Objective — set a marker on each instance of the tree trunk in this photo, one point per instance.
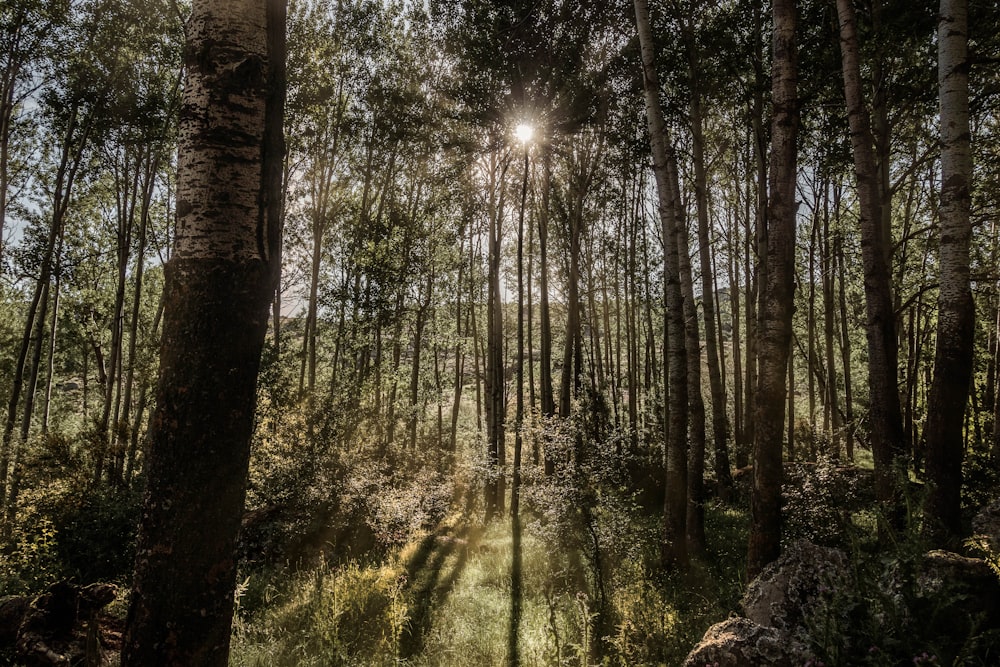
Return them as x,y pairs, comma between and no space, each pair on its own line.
755,241
885,414
720,418
696,402
219,285
949,391
50,361
775,318
546,393
37,345
515,486
674,544
413,415
496,404
140,262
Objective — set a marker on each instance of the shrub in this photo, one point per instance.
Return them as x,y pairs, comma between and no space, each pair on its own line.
29,562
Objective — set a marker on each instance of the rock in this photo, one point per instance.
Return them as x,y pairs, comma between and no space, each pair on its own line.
739,642
986,523
969,585
795,586
61,626
12,611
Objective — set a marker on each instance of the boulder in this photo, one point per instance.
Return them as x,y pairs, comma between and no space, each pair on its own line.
986,524
793,593
12,611
967,585
739,642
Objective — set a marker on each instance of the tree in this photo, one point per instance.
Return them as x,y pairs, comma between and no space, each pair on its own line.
219,285
949,390
776,301
674,547
880,330
27,28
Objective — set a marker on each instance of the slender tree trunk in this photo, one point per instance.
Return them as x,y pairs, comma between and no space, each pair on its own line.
37,345
885,414
140,262
674,543
515,487
219,285
574,344
496,400
720,419
828,270
775,324
476,346
734,311
459,355
546,393
949,391
811,356
397,354
755,241
696,402
418,342
790,418
53,337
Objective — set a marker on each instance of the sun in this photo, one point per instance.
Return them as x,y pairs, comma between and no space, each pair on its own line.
524,132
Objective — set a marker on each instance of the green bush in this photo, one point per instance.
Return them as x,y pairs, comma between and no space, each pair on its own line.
96,541
29,561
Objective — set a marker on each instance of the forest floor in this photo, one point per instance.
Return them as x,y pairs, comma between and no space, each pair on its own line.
452,595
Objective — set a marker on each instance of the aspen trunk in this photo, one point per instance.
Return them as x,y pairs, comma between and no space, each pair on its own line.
220,283
775,323
949,390
674,544
880,330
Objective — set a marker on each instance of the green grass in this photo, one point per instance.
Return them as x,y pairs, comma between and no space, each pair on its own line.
445,599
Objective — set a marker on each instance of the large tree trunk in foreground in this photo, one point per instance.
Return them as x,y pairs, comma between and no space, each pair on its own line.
219,285
777,283
956,310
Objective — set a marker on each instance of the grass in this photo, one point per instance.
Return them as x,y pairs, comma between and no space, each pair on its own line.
445,599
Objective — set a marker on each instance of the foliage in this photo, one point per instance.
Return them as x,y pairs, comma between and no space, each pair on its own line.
342,615
97,536
29,561
896,611
818,501
981,481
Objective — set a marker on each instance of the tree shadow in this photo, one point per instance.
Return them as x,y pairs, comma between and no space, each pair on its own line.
513,634
429,587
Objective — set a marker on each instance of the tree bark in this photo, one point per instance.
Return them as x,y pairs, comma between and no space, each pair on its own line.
546,394
696,402
496,403
880,330
949,392
775,318
219,285
674,551
720,418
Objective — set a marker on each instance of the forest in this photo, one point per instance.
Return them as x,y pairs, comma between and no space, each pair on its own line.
510,332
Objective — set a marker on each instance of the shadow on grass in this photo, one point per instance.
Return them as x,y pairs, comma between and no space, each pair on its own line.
516,578
428,585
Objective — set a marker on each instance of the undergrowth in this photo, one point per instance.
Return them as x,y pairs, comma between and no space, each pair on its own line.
444,598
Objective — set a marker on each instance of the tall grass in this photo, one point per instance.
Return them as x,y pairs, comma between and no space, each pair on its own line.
445,599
